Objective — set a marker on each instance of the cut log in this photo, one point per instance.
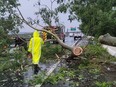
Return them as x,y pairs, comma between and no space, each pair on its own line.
107,39
77,51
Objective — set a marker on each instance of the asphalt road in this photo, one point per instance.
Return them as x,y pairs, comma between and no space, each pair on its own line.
71,42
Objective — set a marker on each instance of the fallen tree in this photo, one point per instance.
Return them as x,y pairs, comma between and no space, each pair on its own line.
76,50
107,39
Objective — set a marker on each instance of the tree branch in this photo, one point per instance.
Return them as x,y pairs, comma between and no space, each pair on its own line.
57,38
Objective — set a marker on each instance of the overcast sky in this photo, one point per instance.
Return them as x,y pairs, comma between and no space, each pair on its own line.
28,10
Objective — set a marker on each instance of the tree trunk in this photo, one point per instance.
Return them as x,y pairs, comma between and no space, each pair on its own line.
107,39
76,51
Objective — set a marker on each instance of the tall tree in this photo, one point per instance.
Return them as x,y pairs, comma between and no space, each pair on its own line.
10,63
8,21
47,13
97,16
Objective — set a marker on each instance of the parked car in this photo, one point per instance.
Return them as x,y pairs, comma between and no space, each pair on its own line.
78,36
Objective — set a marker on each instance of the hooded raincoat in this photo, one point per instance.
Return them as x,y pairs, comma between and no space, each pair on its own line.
35,47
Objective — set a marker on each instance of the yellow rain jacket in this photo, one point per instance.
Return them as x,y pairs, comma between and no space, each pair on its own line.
35,44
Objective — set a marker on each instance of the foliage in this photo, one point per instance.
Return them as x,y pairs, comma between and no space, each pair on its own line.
12,68
49,50
62,75
38,79
3,41
52,14
96,19
97,16
8,20
103,84
74,72
10,63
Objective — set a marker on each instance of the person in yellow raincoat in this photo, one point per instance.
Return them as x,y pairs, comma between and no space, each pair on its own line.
35,45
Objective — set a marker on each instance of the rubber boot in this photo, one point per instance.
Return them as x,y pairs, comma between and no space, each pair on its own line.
36,69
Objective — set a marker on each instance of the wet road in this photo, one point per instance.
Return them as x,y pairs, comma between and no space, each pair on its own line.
71,42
